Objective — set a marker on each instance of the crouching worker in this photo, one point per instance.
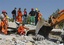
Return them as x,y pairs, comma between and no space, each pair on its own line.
21,29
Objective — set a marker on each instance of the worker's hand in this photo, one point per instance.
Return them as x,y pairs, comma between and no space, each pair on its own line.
27,28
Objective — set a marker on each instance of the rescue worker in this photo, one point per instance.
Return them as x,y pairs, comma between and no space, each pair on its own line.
39,16
4,26
19,16
36,16
14,14
21,29
32,15
25,16
4,22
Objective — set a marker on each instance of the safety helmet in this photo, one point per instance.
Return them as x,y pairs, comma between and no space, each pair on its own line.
36,9
3,11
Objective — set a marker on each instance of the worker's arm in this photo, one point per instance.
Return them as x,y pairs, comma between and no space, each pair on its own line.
26,28
39,16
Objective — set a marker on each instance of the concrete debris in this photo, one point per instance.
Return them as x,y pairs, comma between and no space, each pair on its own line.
55,37
61,44
45,42
23,40
39,37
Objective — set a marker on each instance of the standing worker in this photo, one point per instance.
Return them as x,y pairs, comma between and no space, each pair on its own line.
19,16
14,14
32,16
36,16
4,22
25,16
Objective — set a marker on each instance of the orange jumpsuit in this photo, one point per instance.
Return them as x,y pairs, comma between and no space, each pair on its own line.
4,26
39,16
0,25
21,30
19,17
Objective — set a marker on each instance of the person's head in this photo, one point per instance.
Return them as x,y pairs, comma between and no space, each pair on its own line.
15,8
39,11
32,9
25,9
19,8
36,9
4,12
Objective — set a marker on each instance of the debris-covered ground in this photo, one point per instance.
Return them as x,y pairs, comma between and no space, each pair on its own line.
14,39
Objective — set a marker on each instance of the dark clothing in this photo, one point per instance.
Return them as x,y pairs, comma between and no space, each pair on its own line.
14,17
49,20
36,17
32,13
32,16
25,13
14,14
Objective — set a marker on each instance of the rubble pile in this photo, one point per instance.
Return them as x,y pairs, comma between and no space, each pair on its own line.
22,40
45,42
